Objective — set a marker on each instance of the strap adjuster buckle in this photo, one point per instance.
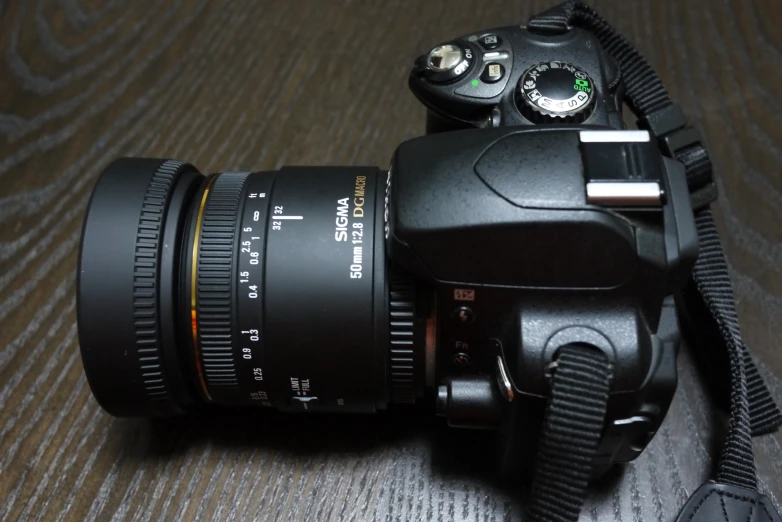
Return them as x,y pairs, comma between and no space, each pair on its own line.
685,144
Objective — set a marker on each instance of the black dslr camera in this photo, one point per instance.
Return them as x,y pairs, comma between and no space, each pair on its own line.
528,220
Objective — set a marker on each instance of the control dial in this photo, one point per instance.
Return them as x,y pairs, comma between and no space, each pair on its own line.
447,62
555,92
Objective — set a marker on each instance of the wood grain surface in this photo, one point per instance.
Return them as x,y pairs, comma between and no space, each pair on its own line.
258,84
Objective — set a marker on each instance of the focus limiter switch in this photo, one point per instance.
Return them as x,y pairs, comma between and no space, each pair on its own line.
305,403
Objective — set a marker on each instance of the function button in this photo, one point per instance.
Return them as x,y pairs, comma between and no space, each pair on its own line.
462,359
490,41
492,72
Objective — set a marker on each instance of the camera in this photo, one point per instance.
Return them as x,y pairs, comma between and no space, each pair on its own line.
528,219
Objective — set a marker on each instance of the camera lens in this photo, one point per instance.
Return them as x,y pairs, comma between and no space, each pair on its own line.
244,288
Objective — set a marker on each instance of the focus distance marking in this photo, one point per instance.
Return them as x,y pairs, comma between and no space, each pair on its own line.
252,372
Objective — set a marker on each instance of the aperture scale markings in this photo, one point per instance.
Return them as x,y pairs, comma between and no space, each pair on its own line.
278,216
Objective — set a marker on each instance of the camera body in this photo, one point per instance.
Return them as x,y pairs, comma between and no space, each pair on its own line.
528,219
539,230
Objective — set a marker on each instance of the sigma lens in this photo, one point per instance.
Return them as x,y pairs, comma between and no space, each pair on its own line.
244,288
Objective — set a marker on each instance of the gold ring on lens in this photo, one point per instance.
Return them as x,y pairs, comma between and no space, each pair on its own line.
193,316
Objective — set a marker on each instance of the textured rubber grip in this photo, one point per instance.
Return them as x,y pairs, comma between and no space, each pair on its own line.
215,300
402,336
145,279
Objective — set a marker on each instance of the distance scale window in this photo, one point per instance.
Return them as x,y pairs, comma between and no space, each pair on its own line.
250,283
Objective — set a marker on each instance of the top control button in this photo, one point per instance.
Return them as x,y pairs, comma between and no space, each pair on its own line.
444,57
490,41
493,72
448,62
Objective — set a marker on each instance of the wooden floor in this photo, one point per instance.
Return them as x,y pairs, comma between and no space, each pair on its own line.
258,84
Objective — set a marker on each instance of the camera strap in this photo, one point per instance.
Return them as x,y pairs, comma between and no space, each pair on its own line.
573,425
575,411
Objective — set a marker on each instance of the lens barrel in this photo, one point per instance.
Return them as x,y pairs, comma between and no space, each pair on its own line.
244,288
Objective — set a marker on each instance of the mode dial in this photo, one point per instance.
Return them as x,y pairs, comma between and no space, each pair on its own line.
555,92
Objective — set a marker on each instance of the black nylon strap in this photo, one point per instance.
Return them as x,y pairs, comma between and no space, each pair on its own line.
752,409
644,89
644,93
712,280
571,434
764,414
649,100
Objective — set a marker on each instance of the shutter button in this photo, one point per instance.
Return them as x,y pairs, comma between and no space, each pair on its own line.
448,62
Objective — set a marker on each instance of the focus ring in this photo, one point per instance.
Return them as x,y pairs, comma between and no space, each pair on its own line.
402,330
145,278
214,292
